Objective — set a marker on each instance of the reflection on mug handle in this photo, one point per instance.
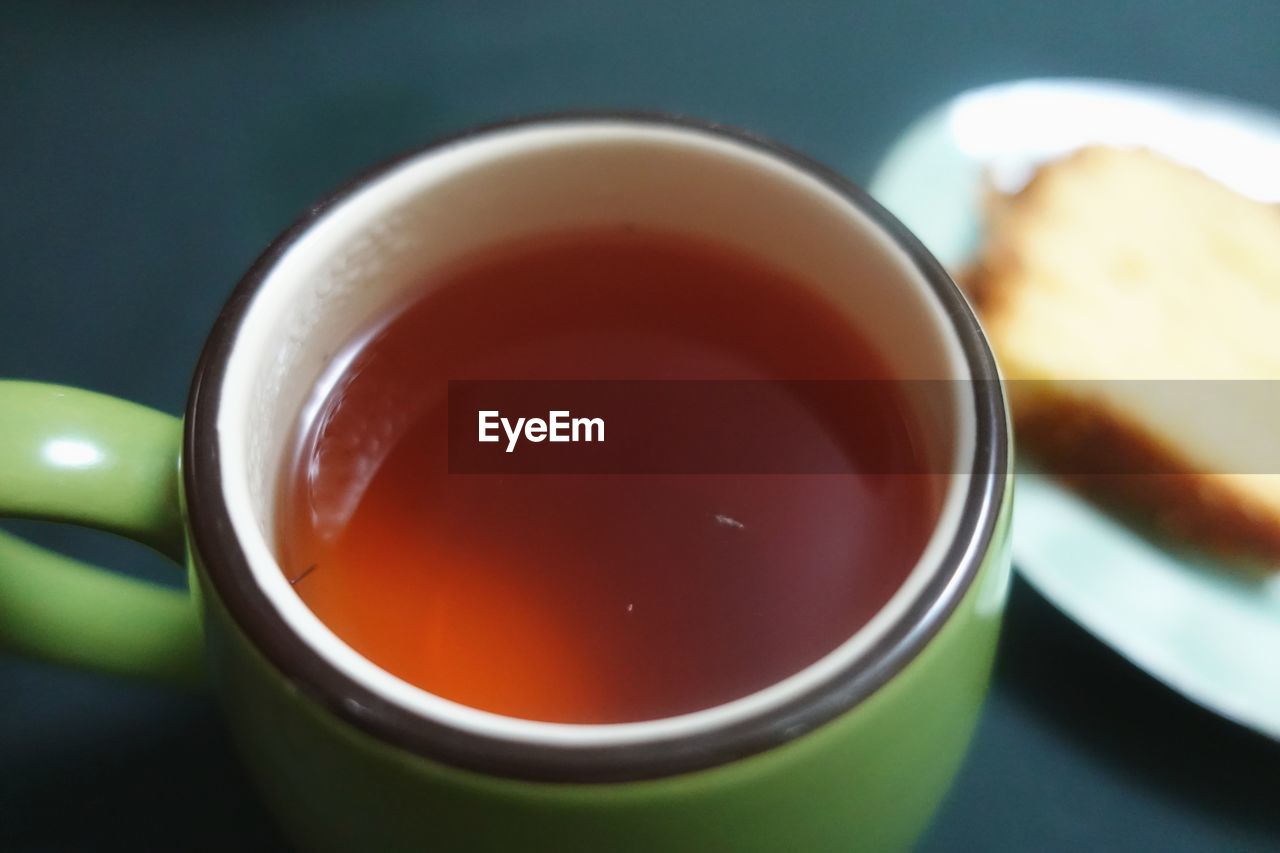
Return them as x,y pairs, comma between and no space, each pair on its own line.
75,456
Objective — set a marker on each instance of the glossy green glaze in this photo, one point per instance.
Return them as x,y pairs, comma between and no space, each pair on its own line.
868,780
76,456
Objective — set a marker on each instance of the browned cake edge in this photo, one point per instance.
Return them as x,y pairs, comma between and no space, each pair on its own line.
1128,470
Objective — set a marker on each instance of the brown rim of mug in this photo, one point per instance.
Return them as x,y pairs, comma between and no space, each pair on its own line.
219,553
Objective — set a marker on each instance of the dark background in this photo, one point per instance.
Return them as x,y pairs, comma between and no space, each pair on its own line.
149,150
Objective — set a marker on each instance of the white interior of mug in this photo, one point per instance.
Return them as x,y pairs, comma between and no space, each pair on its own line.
357,259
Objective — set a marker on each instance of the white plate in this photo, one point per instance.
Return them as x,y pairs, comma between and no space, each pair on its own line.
1209,633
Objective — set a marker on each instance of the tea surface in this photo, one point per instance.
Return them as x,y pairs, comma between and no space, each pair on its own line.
590,598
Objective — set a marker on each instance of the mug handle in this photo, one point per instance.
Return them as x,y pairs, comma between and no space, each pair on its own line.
75,456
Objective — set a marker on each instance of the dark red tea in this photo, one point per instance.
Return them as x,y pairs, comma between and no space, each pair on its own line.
588,598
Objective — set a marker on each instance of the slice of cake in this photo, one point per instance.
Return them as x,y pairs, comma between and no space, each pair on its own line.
1127,297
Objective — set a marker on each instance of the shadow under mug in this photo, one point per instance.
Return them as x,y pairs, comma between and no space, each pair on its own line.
853,752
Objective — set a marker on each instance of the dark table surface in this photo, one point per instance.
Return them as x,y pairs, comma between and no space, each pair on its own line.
150,150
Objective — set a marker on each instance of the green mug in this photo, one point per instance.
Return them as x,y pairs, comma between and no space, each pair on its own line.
852,753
